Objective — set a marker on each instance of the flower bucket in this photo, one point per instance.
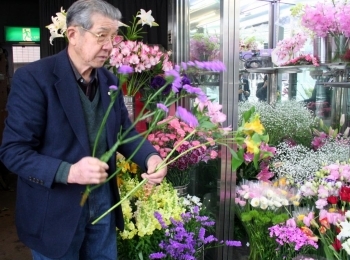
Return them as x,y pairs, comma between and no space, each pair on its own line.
330,48
181,190
130,104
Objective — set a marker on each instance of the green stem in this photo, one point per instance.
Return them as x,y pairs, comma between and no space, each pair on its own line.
121,201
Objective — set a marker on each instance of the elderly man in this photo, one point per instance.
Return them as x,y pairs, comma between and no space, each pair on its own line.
55,108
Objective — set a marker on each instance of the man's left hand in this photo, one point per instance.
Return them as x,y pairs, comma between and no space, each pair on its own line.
153,176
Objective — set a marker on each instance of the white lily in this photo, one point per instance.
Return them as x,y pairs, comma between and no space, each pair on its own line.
146,18
58,27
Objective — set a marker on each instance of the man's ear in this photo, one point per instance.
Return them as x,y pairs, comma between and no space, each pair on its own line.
72,34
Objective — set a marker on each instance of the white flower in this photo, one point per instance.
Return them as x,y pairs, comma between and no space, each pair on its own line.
344,231
58,27
255,202
346,246
146,18
347,214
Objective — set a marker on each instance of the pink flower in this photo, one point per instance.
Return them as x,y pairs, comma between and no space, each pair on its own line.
321,203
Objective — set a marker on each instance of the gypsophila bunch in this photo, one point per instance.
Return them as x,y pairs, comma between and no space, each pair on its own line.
298,163
291,241
184,237
283,120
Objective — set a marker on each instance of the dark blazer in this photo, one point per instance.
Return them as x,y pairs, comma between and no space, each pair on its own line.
46,126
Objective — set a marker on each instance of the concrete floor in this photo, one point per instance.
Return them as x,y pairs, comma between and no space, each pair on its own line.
10,246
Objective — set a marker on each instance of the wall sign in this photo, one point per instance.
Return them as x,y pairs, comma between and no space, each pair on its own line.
22,34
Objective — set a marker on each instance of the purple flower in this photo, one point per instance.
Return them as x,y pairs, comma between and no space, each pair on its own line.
125,69
187,117
176,85
157,82
233,243
159,255
113,88
162,107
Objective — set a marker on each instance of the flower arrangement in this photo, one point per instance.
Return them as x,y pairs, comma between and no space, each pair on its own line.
287,49
327,17
204,47
188,237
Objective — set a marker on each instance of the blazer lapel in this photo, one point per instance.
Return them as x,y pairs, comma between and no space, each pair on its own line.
68,94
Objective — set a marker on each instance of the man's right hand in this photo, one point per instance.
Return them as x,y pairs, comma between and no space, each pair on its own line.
88,170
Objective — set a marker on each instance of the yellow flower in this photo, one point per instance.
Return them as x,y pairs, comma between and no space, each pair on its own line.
133,168
253,126
252,147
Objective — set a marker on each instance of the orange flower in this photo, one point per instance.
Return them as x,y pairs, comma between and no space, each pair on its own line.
308,232
322,230
324,222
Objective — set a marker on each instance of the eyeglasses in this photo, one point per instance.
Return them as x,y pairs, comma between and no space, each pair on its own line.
102,38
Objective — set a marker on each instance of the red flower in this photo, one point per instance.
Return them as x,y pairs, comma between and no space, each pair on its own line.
337,245
332,199
344,193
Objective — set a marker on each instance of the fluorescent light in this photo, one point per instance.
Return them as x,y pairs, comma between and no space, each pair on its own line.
202,17
201,5
207,21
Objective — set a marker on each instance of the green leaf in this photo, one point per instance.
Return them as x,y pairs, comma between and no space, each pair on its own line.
237,159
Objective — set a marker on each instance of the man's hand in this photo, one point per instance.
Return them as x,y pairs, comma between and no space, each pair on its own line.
88,170
153,176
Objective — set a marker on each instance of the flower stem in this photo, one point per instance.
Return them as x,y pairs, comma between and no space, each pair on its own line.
121,201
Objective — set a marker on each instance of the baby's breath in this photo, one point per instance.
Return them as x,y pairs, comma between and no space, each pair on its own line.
284,120
299,163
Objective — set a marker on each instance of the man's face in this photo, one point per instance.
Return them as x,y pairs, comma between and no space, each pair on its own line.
89,49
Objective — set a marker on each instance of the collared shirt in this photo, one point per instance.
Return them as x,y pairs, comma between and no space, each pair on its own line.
89,88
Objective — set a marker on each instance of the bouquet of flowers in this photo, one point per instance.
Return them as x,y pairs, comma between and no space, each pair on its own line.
292,241
260,205
204,47
146,62
286,49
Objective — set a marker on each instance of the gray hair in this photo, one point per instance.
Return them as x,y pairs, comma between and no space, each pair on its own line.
81,11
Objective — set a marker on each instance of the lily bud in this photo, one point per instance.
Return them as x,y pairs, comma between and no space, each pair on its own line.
342,120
